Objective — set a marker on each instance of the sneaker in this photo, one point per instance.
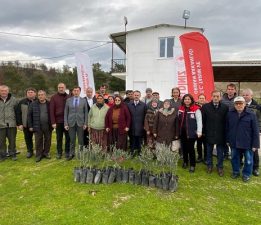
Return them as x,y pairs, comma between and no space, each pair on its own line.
29,155
256,172
245,178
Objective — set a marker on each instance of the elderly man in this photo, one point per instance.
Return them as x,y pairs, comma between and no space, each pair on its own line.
39,122
8,105
57,105
148,97
242,135
253,105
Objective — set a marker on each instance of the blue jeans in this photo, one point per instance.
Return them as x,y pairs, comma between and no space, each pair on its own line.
220,155
248,163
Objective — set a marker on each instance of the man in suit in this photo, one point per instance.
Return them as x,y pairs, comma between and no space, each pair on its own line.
91,100
75,119
138,111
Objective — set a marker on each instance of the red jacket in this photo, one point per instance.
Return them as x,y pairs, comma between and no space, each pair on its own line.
124,119
57,105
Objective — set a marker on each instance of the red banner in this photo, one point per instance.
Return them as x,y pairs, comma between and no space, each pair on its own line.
198,64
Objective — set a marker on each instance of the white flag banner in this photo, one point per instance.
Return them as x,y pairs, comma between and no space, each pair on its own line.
180,71
84,73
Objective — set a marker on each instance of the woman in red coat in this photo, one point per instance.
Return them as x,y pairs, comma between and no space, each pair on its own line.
117,123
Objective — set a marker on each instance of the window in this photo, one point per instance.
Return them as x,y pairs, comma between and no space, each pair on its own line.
166,47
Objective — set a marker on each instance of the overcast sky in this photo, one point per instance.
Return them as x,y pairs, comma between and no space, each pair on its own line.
231,26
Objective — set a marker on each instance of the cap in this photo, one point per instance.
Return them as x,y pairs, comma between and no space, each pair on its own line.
148,90
155,93
239,99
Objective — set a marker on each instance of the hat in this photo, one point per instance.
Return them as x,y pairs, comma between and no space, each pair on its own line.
239,99
148,90
155,93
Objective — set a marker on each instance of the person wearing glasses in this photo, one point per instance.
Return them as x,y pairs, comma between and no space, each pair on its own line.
117,123
242,135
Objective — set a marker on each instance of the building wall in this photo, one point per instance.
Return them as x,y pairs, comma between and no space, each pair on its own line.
144,66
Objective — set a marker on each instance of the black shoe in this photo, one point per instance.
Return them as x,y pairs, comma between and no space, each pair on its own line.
199,160
29,155
58,156
245,178
185,166
47,156
192,169
235,175
256,172
70,157
38,159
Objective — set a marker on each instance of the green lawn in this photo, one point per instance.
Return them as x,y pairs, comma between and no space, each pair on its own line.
45,193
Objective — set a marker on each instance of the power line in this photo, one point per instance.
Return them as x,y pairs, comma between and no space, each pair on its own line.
49,37
60,56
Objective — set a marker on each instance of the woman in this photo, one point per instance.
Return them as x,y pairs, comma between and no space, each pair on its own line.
201,141
96,122
175,101
117,123
110,101
153,107
190,123
165,128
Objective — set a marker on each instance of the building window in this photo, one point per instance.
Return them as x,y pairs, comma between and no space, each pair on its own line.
166,47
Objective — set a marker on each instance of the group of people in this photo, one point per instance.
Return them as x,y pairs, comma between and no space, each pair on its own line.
227,122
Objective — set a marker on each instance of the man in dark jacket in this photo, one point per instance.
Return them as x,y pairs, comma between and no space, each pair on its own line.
214,126
253,105
138,111
39,122
242,135
22,123
57,105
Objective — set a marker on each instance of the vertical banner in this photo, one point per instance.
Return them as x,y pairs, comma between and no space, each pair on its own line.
180,71
198,64
84,73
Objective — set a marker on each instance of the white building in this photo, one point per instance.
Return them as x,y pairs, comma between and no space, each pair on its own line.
149,57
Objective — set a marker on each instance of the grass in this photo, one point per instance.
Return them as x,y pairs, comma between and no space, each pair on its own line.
45,193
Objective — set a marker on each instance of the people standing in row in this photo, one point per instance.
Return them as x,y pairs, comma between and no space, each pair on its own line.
242,135
39,122
8,130
190,125
117,123
247,94
57,106
91,100
75,119
137,110
166,124
202,152
214,126
96,123
22,119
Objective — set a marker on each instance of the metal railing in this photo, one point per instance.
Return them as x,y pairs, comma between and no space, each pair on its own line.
118,65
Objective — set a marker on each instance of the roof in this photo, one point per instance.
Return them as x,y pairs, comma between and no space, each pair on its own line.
237,71
120,37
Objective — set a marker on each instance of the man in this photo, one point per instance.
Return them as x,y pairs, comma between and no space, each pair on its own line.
57,105
155,96
39,122
75,119
214,126
8,128
148,97
138,111
242,135
129,96
102,91
22,123
253,105
228,99
90,102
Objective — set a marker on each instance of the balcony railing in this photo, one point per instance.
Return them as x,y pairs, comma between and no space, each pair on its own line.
118,65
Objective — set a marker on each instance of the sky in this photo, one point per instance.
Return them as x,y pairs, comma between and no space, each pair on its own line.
231,26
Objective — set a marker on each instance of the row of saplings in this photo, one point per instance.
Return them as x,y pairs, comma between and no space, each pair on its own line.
157,169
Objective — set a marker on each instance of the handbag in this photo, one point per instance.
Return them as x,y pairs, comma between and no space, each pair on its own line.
175,146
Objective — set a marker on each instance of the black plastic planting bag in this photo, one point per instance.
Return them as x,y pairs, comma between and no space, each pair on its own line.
90,176
98,177
112,176
173,183
131,176
152,180
125,176
118,175
145,178
105,176
138,175
77,176
83,175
